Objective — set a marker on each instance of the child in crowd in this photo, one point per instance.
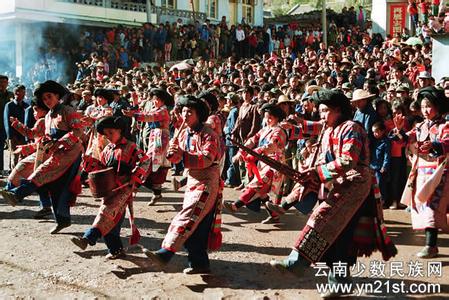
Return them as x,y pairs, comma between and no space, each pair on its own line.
381,157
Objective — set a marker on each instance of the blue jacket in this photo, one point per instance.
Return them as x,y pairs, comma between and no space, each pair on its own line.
381,154
29,119
230,123
13,109
367,117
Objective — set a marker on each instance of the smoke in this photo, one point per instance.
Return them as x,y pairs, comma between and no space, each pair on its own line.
34,51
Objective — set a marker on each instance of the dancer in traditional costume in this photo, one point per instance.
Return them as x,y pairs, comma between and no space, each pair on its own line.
97,142
54,166
198,147
427,188
130,165
213,121
158,120
34,135
343,162
269,141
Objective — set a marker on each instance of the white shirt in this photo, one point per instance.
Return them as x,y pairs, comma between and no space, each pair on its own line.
240,35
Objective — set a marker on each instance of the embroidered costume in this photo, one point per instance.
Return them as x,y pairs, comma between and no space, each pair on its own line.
130,165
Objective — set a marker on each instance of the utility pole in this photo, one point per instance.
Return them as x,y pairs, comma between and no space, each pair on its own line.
193,10
149,9
324,22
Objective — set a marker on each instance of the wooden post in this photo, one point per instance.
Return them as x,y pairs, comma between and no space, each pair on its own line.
193,10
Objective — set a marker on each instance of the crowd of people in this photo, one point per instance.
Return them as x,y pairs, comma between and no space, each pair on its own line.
335,131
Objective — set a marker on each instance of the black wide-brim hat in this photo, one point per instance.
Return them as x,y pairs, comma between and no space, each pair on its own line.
199,105
163,95
110,122
105,93
210,99
436,97
274,110
50,86
334,99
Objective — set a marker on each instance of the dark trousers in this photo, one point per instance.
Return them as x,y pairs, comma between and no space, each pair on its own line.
398,179
382,181
196,245
112,239
232,172
2,146
60,194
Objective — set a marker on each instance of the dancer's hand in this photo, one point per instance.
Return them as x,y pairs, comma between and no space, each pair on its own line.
173,149
13,120
236,159
425,146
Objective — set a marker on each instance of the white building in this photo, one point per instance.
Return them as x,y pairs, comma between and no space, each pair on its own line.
18,18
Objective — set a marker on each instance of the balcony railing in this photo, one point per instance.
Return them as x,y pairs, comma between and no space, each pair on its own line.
187,14
140,7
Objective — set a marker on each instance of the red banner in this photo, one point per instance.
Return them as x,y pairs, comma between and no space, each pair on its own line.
398,14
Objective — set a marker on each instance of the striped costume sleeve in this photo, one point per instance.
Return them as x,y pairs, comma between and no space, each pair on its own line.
441,144
306,127
142,165
74,122
155,116
350,140
23,130
208,151
296,133
312,127
37,131
277,142
28,149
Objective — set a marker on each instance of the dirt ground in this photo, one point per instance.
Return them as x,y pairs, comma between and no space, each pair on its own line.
35,264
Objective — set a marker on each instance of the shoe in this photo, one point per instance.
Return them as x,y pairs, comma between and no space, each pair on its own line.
283,266
229,205
192,271
42,213
228,185
154,257
271,220
59,227
5,173
80,242
176,173
154,199
118,255
240,187
10,197
398,206
175,184
428,252
276,208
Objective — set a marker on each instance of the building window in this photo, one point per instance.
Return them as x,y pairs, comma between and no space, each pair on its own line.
211,8
248,10
168,4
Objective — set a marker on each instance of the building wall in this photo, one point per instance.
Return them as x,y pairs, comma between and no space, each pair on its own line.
380,15
440,56
258,13
55,11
